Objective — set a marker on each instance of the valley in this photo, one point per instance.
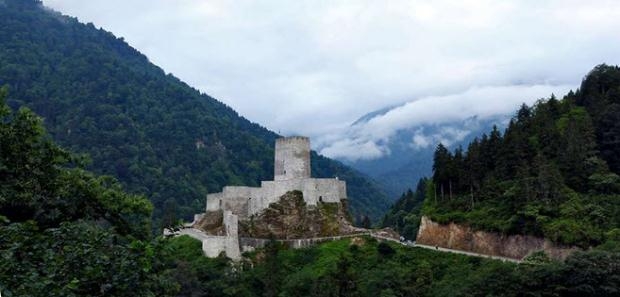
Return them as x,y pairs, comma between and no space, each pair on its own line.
117,178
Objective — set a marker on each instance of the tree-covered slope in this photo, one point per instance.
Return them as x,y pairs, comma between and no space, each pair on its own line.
552,173
63,230
156,134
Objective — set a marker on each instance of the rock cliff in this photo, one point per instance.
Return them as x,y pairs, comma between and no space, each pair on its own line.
292,218
464,238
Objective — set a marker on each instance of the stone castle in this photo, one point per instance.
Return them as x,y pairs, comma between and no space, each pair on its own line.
291,172
226,212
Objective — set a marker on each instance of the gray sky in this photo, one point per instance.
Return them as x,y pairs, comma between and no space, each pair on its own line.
314,67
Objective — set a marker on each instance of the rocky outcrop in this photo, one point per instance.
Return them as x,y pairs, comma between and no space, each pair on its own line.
211,222
292,218
459,237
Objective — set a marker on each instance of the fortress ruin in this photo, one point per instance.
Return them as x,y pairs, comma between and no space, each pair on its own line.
236,204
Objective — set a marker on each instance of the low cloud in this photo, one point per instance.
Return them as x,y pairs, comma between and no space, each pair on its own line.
481,103
446,135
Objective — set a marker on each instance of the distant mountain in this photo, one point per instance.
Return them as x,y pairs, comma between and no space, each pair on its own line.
156,134
411,150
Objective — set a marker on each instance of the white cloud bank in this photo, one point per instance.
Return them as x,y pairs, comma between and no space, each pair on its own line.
313,67
370,140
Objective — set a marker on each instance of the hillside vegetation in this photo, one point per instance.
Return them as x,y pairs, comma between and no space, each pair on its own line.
364,267
65,231
154,133
552,173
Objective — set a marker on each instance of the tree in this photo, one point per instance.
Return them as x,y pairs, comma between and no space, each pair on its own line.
579,146
441,168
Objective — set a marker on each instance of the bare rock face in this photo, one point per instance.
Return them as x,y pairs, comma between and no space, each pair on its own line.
464,238
211,223
292,218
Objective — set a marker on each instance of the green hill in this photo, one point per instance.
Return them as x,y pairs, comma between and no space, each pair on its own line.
157,135
552,173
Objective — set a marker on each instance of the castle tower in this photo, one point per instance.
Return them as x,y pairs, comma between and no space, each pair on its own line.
292,158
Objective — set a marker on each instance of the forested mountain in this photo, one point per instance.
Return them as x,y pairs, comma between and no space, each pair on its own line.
553,172
157,135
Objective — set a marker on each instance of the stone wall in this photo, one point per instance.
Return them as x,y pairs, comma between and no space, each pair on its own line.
213,246
247,201
292,158
231,223
464,238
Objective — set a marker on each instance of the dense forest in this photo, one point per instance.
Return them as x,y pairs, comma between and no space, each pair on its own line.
65,231
155,134
553,172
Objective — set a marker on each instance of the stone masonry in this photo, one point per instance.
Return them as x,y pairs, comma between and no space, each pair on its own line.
291,173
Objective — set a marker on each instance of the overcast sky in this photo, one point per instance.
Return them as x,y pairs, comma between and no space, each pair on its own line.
313,67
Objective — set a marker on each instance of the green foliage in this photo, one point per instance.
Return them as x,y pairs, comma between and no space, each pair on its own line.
405,214
371,268
66,232
155,134
549,174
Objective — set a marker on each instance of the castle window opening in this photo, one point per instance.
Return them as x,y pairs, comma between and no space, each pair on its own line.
320,198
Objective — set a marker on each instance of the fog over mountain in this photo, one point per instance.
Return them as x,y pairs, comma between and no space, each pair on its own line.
395,145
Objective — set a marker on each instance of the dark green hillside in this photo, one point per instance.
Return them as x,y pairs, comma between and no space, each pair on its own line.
554,172
65,231
157,135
